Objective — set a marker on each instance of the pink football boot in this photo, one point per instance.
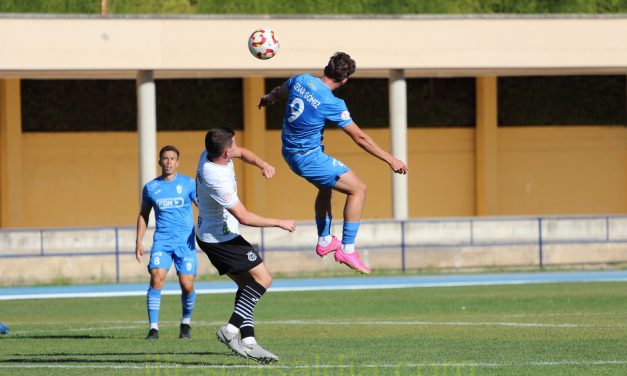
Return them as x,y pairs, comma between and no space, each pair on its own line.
352,260
333,246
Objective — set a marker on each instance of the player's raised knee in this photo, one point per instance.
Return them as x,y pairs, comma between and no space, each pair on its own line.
360,188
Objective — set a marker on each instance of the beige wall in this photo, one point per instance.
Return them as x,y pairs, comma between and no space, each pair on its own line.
562,170
442,172
90,179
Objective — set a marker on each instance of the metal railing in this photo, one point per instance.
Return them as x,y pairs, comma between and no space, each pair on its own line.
405,237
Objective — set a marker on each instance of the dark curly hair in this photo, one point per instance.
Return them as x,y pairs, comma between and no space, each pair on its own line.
340,66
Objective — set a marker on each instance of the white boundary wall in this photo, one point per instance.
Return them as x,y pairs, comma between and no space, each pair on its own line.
89,254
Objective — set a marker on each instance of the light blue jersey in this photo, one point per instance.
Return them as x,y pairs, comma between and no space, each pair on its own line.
310,103
172,202
173,240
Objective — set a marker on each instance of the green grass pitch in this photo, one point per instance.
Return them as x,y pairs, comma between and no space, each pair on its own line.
541,329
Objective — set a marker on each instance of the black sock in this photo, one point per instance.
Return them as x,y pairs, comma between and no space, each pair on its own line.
236,320
246,299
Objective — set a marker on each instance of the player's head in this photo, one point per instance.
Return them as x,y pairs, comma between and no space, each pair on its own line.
217,140
169,148
340,67
169,159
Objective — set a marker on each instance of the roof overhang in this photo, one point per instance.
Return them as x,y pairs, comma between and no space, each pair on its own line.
205,47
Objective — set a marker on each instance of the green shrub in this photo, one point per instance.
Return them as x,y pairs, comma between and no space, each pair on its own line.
50,6
149,7
280,7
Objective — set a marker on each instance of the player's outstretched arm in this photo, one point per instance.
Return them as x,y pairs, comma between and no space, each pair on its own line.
249,157
249,218
142,223
274,95
367,143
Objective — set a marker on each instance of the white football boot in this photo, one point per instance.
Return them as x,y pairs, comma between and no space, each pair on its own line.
231,341
258,353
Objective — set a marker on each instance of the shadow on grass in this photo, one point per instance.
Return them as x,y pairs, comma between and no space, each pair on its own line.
152,358
57,336
140,353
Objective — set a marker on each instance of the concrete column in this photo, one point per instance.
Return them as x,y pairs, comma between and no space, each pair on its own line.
486,146
398,129
10,154
254,139
146,128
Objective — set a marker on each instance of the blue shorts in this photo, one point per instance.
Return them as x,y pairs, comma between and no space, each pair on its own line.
185,259
316,166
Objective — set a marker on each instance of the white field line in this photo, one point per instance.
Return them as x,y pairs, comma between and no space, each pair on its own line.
539,363
123,325
566,314
107,323
443,323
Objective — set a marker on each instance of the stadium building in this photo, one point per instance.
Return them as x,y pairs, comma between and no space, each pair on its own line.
495,116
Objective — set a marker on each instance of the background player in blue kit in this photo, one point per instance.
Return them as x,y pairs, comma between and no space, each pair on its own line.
171,195
310,102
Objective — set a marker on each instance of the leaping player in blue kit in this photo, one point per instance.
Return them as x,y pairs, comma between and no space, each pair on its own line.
171,195
310,102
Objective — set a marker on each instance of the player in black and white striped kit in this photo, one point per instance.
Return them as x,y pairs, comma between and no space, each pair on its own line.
219,214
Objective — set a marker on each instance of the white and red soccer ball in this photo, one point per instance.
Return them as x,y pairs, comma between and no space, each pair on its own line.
263,44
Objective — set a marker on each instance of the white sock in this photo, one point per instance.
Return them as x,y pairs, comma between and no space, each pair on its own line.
348,248
249,340
324,241
154,325
186,320
232,329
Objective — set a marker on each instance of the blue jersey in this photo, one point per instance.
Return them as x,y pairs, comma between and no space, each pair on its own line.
310,103
172,201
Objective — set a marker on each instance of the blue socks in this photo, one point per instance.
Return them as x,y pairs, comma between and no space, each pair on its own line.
188,302
153,304
324,225
349,232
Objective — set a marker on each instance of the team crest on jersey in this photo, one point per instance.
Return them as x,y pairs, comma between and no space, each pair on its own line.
179,189
226,197
345,115
251,256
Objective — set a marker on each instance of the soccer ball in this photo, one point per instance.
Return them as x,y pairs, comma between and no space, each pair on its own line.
263,44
